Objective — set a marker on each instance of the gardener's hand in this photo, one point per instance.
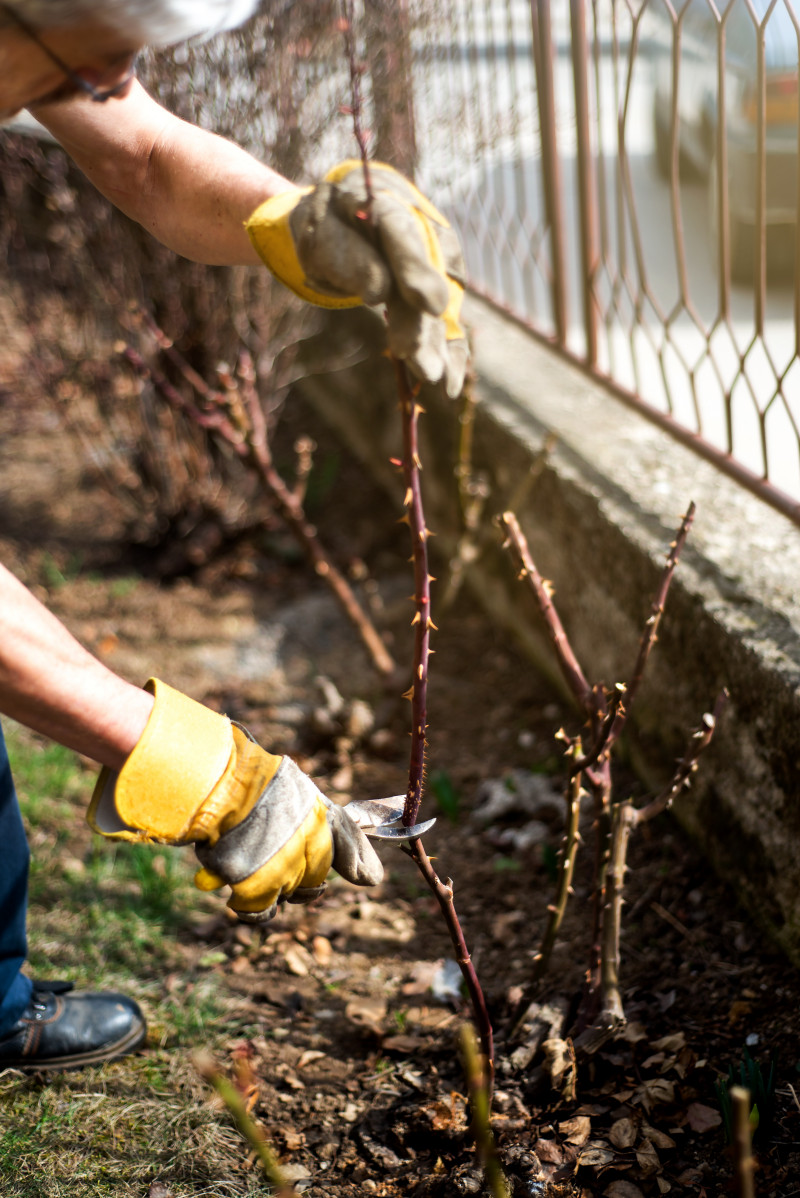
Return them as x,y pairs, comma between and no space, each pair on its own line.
258,823
336,247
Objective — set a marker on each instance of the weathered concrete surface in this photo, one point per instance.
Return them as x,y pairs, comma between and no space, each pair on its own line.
599,517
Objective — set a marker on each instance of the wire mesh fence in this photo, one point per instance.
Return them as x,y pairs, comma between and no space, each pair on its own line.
624,174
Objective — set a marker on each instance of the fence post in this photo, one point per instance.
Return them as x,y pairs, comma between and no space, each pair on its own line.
587,187
388,45
551,164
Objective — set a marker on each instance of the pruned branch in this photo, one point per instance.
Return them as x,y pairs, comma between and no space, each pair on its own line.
687,766
543,592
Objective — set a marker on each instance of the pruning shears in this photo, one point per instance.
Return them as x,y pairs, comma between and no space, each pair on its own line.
379,819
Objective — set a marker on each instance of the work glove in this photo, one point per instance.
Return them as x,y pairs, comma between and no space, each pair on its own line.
335,249
258,823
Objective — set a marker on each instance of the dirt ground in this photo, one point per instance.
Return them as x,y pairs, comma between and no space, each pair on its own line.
359,1082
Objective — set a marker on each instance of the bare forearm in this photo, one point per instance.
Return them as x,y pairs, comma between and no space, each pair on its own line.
191,189
52,684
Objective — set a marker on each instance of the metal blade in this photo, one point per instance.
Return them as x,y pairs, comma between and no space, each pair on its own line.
384,832
373,813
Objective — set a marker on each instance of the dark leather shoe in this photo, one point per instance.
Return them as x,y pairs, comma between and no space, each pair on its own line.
59,1030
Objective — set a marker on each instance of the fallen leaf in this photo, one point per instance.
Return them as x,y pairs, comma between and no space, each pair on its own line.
633,1032
623,1133
595,1154
702,1118
322,950
690,1177
659,1138
404,1044
664,1186
309,1056
368,1013
298,960
549,1152
672,1043
656,1091
240,965
738,1011
647,1159
577,1130
623,1189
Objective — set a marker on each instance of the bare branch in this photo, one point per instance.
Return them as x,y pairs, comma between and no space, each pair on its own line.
542,592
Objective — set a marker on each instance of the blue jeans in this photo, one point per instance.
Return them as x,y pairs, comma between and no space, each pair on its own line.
15,988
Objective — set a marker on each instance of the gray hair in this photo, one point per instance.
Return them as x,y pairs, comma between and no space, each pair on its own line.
149,22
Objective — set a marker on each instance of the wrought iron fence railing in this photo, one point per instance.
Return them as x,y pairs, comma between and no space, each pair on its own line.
624,174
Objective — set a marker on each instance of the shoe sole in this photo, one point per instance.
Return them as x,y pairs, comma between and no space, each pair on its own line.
135,1037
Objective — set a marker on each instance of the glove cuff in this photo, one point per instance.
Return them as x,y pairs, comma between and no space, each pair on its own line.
269,230
178,760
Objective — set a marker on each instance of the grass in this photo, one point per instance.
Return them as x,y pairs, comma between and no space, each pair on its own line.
116,916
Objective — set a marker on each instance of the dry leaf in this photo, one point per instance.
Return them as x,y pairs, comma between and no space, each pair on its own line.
672,1043
654,1092
623,1133
404,1044
322,950
577,1130
549,1152
298,960
633,1032
309,1056
623,1189
597,1153
664,1186
239,965
647,1159
702,1118
659,1138
368,1013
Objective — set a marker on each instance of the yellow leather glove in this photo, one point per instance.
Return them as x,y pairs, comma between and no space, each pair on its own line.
333,249
258,823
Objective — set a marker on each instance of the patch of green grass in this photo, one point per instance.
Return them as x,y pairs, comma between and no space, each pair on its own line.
448,799
113,916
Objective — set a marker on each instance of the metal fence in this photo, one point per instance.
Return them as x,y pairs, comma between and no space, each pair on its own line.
625,179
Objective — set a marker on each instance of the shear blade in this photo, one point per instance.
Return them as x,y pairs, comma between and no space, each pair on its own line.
374,813
385,832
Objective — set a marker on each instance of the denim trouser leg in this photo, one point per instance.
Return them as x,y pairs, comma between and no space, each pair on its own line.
15,988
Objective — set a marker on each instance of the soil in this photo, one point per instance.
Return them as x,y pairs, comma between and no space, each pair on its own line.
358,1078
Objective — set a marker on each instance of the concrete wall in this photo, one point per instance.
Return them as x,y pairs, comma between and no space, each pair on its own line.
599,518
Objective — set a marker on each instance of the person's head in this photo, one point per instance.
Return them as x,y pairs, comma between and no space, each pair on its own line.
50,49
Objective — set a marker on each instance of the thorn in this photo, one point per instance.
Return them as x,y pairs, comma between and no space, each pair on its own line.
417,618
405,520
408,498
430,624
431,578
423,532
548,588
420,673
417,462
418,410
409,694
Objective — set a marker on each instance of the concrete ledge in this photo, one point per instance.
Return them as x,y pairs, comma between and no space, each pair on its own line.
599,518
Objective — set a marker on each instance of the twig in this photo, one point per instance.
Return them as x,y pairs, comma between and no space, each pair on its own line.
650,634
234,1101
480,1103
700,741
473,491
742,1142
356,71
543,592
248,439
557,909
